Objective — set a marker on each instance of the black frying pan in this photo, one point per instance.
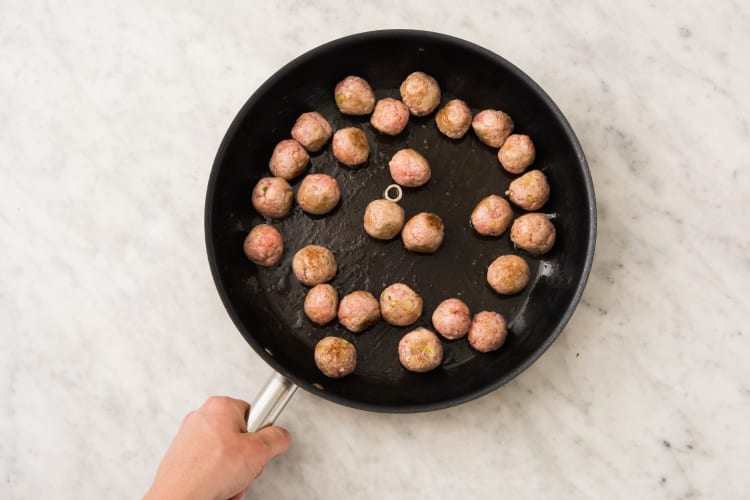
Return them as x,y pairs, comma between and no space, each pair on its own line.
266,303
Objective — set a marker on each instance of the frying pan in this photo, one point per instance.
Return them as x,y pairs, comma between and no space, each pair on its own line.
266,303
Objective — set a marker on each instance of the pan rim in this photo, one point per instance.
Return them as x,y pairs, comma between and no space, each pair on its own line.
416,35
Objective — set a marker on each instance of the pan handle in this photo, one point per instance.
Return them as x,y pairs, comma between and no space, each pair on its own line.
270,401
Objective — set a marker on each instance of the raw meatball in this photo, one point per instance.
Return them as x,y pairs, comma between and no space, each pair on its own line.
289,159
400,305
530,191
321,304
491,216
452,319
354,96
358,311
350,146
421,93
487,332
533,233
312,131
313,265
383,219
318,194
272,197
409,168
420,351
264,245
423,233
508,274
390,116
335,357
492,127
517,153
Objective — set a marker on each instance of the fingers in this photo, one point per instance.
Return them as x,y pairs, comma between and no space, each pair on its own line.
235,410
239,495
276,439
267,443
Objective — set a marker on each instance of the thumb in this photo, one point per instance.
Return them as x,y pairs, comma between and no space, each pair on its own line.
265,444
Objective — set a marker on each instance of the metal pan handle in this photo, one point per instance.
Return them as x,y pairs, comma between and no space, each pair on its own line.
270,401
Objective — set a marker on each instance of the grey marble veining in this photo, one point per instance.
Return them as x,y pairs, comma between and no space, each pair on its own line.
111,328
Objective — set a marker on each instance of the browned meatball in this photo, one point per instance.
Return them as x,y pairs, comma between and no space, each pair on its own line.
409,168
358,311
400,305
492,127
508,274
454,119
420,351
452,319
264,245
321,304
318,194
350,146
390,116
289,159
517,153
534,233
383,219
354,96
423,233
313,265
421,93
272,197
491,216
335,357
312,131
487,331
530,191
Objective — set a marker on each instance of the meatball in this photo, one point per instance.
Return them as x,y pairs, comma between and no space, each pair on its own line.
318,194
313,265
508,274
358,311
517,153
272,197
335,357
321,304
350,146
534,233
491,216
409,168
487,331
312,131
288,160
390,116
454,119
421,93
530,191
423,233
400,305
354,96
383,219
452,319
264,245
420,351
492,127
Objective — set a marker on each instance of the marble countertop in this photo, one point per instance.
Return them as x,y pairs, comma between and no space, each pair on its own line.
112,329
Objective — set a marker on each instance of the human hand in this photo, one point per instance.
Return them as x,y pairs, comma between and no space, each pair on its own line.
213,457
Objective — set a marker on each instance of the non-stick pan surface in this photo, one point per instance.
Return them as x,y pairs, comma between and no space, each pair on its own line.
266,303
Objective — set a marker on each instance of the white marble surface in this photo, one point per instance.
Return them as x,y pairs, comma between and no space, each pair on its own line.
110,117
